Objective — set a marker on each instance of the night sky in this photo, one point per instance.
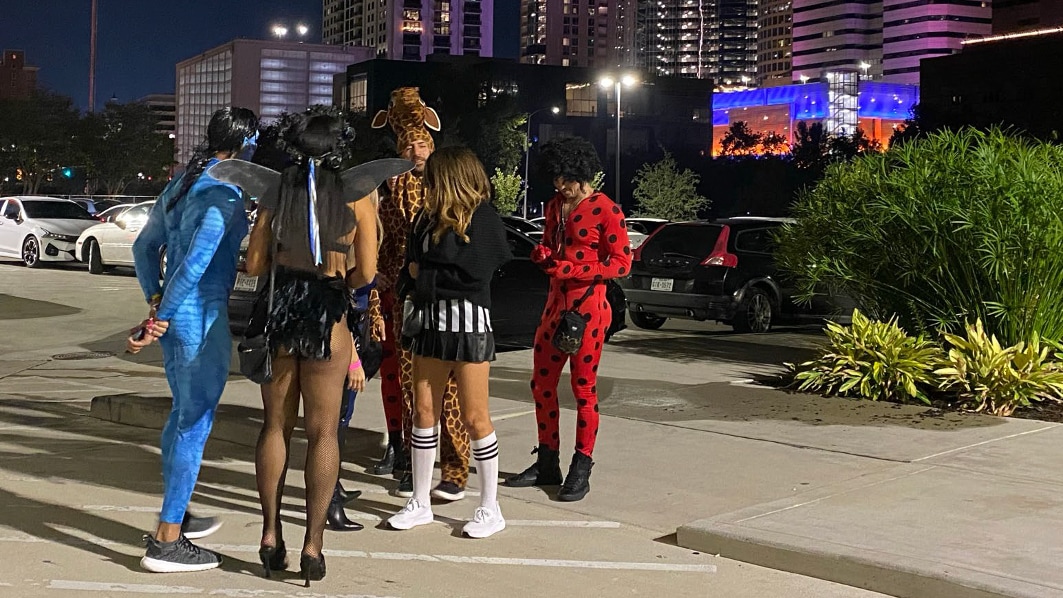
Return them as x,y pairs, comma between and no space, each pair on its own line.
141,41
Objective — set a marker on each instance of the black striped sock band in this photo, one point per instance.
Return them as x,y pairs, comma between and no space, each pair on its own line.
486,453
424,442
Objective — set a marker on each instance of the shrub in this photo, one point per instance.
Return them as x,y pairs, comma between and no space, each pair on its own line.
950,228
508,191
990,377
872,360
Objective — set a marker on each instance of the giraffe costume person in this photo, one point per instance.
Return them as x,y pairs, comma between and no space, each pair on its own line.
410,119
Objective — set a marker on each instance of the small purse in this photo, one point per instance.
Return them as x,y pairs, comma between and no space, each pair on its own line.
571,326
412,319
254,352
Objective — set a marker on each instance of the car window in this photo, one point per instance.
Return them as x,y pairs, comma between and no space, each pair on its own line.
692,241
520,245
11,209
136,213
110,214
758,240
66,210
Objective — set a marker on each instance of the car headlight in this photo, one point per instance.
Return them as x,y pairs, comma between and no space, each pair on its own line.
50,235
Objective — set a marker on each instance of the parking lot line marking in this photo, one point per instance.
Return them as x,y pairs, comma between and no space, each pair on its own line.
92,586
489,560
561,523
512,415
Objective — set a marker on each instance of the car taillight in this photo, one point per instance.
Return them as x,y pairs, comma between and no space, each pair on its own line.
720,256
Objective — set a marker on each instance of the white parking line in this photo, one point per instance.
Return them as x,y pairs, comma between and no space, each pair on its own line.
136,588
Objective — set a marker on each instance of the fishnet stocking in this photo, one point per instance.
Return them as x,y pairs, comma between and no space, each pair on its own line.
318,382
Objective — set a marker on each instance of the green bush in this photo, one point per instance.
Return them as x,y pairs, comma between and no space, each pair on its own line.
990,377
947,229
872,360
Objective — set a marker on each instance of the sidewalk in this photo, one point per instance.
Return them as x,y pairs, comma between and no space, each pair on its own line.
900,500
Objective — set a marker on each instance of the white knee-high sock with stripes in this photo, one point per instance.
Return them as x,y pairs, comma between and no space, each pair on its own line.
485,451
423,443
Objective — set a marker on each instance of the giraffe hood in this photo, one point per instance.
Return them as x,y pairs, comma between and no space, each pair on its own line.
409,118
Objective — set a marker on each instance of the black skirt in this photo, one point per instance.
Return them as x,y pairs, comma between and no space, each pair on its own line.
454,330
306,306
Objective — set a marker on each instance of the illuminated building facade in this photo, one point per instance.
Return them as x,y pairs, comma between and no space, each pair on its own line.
411,29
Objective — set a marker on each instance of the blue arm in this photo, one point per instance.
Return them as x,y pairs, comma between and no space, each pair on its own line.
224,201
147,246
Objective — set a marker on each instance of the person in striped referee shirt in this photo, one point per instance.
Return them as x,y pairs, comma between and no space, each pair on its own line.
456,244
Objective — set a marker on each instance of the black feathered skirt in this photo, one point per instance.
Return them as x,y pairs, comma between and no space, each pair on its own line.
306,306
454,330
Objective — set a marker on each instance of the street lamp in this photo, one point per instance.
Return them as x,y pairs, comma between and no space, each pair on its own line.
279,31
527,153
302,29
625,80
804,79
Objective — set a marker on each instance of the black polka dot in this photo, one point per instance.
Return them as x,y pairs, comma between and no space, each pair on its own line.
568,240
566,269
538,405
555,358
596,408
583,423
595,369
594,389
553,415
577,218
391,377
597,346
582,402
579,255
394,422
586,318
544,372
538,348
597,278
586,268
542,426
582,381
596,211
556,436
594,333
579,446
623,223
594,246
627,249
547,394
622,270
612,238
588,358
546,337
616,210
583,232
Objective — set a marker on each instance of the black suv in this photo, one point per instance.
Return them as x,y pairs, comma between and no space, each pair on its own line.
722,270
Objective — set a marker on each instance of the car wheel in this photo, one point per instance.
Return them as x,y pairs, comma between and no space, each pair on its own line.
646,321
93,257
162,265
755,313
31,252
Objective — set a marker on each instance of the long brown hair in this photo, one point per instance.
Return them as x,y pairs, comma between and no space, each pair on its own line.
455,185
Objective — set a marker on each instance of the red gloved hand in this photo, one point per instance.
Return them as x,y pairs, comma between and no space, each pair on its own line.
541,254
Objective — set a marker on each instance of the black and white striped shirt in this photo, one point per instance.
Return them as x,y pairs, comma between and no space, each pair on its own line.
457,315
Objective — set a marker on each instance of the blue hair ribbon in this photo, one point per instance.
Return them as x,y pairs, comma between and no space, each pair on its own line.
314,226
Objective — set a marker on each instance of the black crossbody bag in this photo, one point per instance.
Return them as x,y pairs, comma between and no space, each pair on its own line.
255,354
571,325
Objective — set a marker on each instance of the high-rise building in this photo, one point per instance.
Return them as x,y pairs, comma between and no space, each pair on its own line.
164,107
16,79
881,38
586,33
269,77
912,31
411,29
774,43
1016,16
693,38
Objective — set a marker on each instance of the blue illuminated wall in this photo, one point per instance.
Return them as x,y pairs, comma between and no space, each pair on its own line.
890,101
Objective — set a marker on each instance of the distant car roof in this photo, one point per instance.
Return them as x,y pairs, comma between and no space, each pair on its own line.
33,198
737,219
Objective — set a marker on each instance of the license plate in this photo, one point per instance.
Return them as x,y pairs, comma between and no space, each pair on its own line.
661,284
245,283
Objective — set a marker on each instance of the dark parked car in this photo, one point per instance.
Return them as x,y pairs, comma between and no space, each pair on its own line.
532,229
518,295
722,270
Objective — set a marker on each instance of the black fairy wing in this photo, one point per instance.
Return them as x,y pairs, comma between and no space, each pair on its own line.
365,178
258,181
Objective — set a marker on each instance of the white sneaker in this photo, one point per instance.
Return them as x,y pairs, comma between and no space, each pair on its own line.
485,522
412,515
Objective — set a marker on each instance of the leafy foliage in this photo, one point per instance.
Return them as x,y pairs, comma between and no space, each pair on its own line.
496,133
872,360
663,191
599,180
950,228
990,377
120,145
739,140
508,191
37,138
774,143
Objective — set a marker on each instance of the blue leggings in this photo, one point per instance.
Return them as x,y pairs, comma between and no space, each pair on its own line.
197,376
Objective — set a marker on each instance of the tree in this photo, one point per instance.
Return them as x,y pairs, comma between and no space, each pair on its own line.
774,143
121,146
496,133
508,190
847,147
739,140
911,129
662,191
810,146
37,138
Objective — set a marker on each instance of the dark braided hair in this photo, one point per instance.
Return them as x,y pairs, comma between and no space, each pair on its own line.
228,131
569,158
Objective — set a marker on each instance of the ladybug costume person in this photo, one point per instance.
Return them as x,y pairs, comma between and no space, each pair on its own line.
584,244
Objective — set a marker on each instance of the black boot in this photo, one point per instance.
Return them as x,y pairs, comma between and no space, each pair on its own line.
403,464
347,495
546,471
578,481
386,464
336,519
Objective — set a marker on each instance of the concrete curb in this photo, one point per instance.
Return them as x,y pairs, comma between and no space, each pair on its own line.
892,574
231,423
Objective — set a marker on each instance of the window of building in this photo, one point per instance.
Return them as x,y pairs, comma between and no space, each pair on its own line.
359,89
581,99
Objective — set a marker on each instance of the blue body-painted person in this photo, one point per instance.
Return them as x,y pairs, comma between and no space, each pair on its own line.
201,222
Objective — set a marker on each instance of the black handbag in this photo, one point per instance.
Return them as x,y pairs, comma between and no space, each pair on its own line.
571,326
254,352
412,319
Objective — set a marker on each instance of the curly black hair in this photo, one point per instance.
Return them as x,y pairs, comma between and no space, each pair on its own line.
569,158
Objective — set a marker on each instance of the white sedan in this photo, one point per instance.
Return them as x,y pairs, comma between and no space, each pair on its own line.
110,244
35,230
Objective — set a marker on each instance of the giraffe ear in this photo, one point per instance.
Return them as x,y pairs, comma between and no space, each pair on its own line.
431,119
380,119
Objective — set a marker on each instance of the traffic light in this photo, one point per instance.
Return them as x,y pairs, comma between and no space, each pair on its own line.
68,172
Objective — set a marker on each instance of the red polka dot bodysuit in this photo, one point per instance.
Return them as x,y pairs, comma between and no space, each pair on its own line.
590,246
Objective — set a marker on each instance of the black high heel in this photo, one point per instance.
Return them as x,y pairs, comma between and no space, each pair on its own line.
311,568
274,558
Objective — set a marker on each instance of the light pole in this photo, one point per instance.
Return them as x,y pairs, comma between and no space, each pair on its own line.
626,80
527,153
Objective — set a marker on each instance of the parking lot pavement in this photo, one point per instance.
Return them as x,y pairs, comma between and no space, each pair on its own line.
77,492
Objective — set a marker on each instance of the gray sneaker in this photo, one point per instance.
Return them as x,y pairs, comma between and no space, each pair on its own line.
179,556
195,528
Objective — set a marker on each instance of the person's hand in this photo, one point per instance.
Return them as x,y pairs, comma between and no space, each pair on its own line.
137,340
541,254
157,328
380,330
414,269
356,377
